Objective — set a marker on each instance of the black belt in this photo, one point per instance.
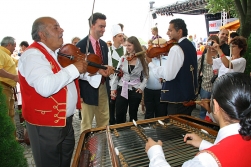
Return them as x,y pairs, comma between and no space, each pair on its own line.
153,89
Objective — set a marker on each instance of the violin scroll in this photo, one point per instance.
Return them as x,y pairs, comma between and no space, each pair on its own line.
134,55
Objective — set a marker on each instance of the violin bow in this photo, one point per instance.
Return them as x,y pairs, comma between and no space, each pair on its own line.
229,61
90,24
158,44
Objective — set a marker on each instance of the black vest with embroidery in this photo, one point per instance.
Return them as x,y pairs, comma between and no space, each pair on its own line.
184,86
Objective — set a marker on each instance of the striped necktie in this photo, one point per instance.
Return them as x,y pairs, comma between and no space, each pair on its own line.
98,52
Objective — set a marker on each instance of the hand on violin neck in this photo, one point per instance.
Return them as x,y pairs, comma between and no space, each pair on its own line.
106,72
205,103
158,57
81,66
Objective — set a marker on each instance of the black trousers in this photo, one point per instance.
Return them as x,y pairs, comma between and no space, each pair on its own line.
152,103
52,146
112,119
122,104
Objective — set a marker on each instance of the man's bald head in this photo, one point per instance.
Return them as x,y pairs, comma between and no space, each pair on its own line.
223,36
39,25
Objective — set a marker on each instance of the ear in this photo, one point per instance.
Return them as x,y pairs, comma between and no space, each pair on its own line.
216,107
9,45
42,36
180,32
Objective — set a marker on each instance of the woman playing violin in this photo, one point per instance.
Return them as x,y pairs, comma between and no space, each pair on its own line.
131,85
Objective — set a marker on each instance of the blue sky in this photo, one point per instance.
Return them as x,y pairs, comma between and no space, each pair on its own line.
17,17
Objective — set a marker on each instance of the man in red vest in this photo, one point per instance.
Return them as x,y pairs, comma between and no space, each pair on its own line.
50,95
231,99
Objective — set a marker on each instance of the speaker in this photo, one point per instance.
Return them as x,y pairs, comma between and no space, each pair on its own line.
154,15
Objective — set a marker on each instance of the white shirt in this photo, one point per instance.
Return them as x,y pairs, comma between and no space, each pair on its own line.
36,70
157,158
239,65
114,54
153,82
169,68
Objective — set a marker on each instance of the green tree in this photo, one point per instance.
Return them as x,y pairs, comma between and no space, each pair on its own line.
247,56
11,152
240,8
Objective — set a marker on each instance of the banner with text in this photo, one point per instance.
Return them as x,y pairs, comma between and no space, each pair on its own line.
215,25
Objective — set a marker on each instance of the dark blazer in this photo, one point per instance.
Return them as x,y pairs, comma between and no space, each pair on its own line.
87,92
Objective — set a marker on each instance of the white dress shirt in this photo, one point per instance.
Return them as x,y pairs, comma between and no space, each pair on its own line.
36,70
157,158
169,68
154,83
239,65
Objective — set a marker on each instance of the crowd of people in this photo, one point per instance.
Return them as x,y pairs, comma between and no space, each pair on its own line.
127,76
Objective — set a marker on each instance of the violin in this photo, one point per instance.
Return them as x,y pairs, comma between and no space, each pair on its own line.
134,55
157,50
69,54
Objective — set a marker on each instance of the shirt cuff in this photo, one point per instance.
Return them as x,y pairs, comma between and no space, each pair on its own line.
157,157
72,71
204,145
155,151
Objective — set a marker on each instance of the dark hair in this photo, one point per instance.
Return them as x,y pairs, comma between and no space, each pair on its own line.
138,48
233,93
233,34
95,17
144,47
214,37
179,24
241,42
24,43
121,26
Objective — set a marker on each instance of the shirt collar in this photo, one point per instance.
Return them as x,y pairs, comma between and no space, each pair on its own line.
181,39
93,42
226,131
5,50
54,54
113,47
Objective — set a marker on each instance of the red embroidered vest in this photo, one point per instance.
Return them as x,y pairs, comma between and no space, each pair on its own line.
232,151
45,111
